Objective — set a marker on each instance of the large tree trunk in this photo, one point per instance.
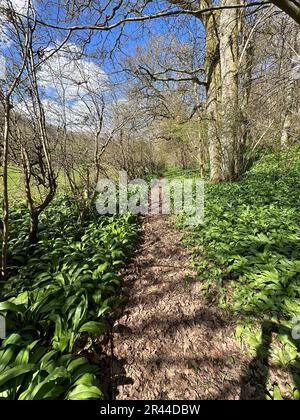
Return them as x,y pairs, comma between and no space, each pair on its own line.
228,34
222,85
212,67
245,72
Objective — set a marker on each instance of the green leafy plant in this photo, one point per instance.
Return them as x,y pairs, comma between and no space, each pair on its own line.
248,250
59,293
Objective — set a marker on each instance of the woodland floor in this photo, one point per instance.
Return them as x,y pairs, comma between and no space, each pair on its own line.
166,341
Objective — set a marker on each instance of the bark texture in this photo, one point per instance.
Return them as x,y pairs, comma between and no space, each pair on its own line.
291,7
228,34
213,94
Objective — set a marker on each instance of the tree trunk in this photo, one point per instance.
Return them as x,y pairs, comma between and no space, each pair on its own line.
292,86
33,214
5,205
34,228
228,34
212,67
285,135
245,72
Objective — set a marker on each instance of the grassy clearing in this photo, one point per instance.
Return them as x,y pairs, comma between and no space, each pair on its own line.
248,251
15,184
16,187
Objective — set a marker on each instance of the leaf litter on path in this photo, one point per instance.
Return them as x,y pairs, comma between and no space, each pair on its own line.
168,342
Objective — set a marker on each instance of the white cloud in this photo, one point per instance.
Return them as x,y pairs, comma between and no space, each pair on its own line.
71,85
75,116
20,6
69,75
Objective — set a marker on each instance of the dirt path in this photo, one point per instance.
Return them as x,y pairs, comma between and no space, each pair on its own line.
168,343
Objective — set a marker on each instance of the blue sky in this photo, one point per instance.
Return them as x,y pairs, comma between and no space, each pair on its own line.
134,34
100,43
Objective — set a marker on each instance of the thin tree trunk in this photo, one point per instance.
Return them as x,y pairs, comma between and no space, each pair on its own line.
201,144
33,214
34,228
5,205
246,85
292,84
286,129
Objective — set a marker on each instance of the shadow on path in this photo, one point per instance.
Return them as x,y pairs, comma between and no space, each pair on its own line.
258,370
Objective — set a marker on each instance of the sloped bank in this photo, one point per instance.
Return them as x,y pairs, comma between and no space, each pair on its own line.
247,256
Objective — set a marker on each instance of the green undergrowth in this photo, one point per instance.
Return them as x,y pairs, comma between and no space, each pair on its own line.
57,298
248,252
